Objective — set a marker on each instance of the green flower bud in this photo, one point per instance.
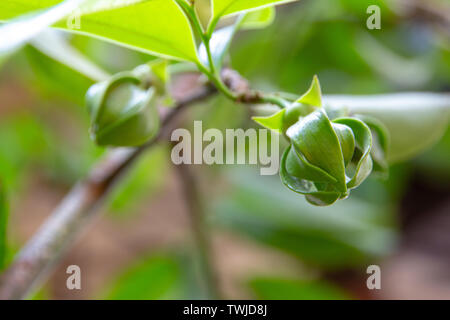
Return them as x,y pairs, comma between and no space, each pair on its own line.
123,112
326,159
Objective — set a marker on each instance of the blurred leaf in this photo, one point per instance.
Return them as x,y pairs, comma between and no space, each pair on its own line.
169,34
259,19
23,141
55,46
407,73
51,78
222,8
287,289
3,226
156,278
350,233
27,142
22,29
415,121
221,39
219,44
435,162
144,179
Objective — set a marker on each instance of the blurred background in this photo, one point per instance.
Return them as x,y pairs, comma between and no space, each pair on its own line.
267,242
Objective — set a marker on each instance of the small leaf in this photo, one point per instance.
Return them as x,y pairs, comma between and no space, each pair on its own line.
258,19
160,70
313,96
273,122
155,278
222,8
219,43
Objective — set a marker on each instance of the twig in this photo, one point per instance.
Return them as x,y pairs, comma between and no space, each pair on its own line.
37,259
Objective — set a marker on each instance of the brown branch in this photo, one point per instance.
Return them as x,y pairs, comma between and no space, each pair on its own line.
37,259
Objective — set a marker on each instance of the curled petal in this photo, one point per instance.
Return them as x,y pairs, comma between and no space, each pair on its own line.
361,162
305,187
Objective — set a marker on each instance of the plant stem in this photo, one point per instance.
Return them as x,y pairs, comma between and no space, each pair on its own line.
212,73
217,81
276,100
199,229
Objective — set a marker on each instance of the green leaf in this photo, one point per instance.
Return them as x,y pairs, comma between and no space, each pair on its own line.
220,40
3,226
260,208
153,279
52,44
219,44
313,96
157,27
258,19
415,121
294,289
305,105
22,29
222,8
273,122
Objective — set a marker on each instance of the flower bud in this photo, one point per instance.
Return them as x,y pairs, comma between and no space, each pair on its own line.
123,112
326,158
